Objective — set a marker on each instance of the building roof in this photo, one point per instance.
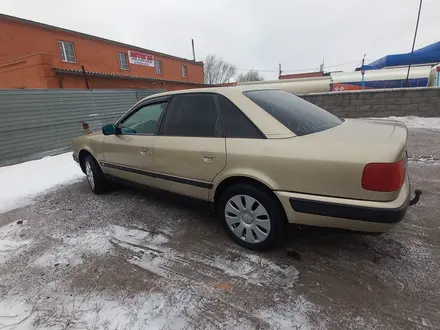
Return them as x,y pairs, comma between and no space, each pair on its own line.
122,76
426,55
85,35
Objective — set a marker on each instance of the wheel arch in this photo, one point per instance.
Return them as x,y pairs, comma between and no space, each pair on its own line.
240,179
224,179
82,155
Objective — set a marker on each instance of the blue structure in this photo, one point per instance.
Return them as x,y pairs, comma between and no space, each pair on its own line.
426,55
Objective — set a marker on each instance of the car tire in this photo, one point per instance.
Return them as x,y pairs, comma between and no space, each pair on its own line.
95,177
251,216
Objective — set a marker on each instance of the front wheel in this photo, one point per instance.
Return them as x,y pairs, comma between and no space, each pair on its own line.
251,216
95,177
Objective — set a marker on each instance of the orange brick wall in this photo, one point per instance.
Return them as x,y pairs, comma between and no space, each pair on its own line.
19,39
33,71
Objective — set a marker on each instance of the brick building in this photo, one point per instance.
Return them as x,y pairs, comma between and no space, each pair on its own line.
36,55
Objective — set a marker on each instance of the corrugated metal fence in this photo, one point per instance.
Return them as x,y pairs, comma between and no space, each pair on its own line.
35,123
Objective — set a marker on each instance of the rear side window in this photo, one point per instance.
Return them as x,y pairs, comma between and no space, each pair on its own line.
235,123
300,116
191,115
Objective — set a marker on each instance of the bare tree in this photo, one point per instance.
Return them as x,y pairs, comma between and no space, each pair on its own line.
251,75
217,70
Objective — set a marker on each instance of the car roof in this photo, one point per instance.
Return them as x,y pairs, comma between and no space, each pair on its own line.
227,91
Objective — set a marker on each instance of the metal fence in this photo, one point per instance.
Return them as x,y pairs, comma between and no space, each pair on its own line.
35,123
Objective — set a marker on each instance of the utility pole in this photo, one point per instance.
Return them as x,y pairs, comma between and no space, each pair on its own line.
194,52
279,70
414,43
363,72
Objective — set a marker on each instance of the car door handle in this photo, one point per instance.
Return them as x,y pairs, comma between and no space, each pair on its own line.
144,151
208,156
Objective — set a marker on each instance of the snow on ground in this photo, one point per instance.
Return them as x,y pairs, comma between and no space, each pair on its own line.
176,302
146,311
11,241
22,182
70,250
417,122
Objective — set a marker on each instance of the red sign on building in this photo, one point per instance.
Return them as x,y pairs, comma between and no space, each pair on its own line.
140,58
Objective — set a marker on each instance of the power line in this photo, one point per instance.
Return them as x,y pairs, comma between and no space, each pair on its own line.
299,70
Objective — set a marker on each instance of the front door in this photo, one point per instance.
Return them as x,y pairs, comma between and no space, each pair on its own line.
129,154
189,151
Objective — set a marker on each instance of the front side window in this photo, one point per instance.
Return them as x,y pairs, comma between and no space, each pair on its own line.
298,115
191,115
123,61
145,120
67,51
184,71
158,66
235,123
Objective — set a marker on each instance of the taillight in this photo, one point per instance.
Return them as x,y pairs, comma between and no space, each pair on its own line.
384,177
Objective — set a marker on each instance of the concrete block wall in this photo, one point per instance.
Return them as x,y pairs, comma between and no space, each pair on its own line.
421,102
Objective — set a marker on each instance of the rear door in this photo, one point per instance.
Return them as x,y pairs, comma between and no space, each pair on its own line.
129,154
190,150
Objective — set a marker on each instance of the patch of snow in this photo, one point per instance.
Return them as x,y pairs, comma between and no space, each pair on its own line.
417,122
72,249
144,311
151,254
147,246
426,322
137,236
256,270
15,313
11,241
288,316
22,182
428,160
154,262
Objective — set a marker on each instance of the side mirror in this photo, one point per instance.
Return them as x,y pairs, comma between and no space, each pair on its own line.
109,129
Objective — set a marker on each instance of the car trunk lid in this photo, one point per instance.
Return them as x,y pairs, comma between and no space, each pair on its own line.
332,162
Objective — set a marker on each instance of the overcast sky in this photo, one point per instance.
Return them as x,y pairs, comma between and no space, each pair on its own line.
257,34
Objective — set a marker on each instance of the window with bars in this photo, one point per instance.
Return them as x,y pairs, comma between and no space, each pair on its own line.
158,66
67,51
184,71
123,61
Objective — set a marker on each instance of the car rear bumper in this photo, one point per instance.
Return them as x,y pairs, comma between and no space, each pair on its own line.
358,215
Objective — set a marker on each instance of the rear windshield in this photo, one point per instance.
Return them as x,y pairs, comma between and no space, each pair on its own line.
300,116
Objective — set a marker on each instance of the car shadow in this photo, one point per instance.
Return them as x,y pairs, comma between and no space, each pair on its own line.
333,243
300,243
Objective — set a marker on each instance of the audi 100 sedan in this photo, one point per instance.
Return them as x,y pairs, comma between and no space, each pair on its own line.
264,158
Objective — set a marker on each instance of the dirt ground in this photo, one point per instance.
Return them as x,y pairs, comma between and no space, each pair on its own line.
138,260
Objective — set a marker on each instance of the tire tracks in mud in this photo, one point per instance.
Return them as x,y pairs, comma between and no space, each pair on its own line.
193,267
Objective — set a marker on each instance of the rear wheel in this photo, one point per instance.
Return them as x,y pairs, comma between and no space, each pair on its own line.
251,216
95,177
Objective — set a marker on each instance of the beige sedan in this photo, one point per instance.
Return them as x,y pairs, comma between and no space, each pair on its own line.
262,157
